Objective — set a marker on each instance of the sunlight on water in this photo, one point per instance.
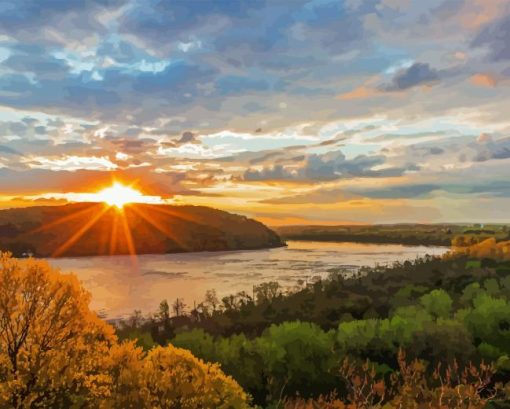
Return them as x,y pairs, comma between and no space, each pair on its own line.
118,287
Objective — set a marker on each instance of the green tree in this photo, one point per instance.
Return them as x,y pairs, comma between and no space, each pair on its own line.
437,303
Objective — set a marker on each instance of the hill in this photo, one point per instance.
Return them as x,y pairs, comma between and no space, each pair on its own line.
87,229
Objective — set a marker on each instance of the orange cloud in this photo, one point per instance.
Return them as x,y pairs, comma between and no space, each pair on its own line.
359,93
484,80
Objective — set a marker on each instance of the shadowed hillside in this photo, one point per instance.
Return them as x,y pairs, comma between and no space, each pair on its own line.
86,229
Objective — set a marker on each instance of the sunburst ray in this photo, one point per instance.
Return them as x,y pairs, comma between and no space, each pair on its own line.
79,233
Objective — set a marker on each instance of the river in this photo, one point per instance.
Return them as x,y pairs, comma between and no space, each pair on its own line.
121,284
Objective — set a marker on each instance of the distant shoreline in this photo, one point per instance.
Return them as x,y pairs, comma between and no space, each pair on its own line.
366,240
407,234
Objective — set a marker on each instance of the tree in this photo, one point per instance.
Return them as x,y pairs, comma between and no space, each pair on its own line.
178,307
136,319
170,377
267,292
211,300
296,358
56,353
46,336
164,311
437,303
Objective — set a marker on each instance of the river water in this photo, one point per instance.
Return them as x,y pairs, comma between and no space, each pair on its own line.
121,284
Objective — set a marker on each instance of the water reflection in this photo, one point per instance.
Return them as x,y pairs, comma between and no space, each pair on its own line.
118,286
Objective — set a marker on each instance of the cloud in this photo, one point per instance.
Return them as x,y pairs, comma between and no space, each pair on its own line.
423,191
72,163
330,166
28,182
322,196
47,21
277,172
496,37
361,92
9,151
398,192
196,95
28,58
484,80
187,137
493,149
416,74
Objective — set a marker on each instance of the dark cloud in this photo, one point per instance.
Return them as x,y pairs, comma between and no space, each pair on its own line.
31,19
398,192
416,74
329,166
9,151
277,172
154,20
492,149
254,26
36,59
414,191
496,37
187,137
79,94
132,145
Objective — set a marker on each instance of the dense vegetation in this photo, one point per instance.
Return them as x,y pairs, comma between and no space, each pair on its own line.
56,353
446,315
85,229
433,332
411,234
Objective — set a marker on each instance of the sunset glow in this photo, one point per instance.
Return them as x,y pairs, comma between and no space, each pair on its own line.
118,195
316,122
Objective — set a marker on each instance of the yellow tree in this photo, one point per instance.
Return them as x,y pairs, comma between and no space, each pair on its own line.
51,344
169,377
56,353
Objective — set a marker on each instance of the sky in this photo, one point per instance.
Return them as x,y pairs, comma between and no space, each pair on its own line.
289,111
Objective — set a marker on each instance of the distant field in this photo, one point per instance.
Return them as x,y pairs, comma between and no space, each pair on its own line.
412,234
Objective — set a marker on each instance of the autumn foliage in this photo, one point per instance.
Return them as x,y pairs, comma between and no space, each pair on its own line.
410,387
55,352
489,248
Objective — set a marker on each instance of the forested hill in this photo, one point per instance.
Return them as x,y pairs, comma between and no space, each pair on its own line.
86,229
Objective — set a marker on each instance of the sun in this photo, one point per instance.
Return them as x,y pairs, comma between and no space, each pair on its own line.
119,195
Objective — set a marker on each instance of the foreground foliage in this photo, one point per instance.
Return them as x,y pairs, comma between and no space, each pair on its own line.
452,387
56,353
278,345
